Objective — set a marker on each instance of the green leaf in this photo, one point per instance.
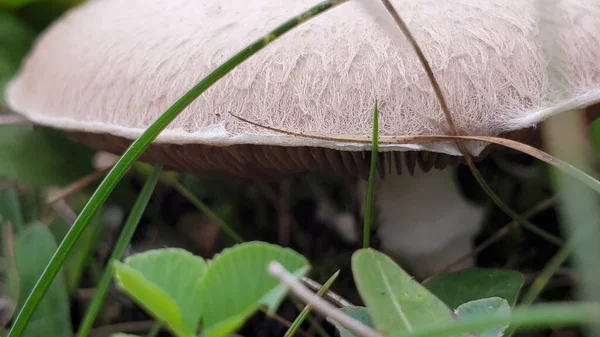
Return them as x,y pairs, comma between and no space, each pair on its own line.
237,283
482,307
41,156
166,282
397,303
360,314
10,207
471,284
33,249
15,41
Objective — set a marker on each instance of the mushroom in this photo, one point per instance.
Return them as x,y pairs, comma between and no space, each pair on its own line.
108,68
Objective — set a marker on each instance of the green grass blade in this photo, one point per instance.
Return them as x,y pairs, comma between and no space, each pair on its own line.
538,316
543,278
82,255
371,183
155,330
302,316
134,152
124,238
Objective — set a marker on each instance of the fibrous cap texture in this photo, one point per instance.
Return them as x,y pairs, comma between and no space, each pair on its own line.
113,66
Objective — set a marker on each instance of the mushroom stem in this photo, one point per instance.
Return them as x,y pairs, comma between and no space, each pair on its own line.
425,220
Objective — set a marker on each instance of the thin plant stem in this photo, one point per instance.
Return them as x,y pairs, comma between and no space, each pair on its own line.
302,316
555,240
186,193
135,151
120,246
561,165
75,186
371,183
332,296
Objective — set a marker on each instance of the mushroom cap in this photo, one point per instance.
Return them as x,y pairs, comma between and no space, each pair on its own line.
108,68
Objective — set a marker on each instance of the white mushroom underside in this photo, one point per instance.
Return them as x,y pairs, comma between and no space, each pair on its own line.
425,219
114,66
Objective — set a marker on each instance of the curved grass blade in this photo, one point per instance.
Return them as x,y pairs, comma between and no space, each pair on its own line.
135,151
539,316
555,240
120,247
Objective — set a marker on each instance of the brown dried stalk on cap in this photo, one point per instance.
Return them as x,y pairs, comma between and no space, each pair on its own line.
104,72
